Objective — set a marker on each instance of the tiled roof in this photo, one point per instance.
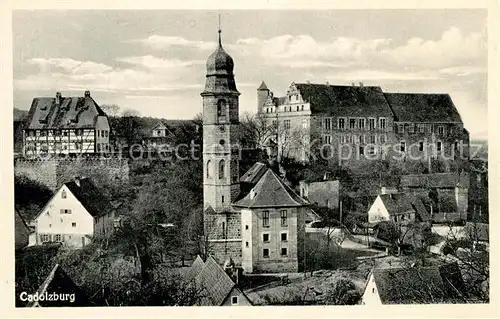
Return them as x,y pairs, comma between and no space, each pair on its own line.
90,196
271,191
255,172
59,282
417,285
345,100
214,284
195,269
436,180
72,112
419,107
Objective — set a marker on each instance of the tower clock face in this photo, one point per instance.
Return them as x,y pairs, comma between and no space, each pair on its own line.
222,128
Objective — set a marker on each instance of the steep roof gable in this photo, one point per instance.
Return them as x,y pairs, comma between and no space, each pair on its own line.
271,191
345,100
214,283
195,269
414,285
419,107
71,112
402,203
87,193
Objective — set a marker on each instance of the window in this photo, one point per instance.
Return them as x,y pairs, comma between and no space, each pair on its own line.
402,146
246,244
411,129
361,124
342,139
221,169
361,150
45,238
73,224
371,124
246,227
401,128
221,110
65,211
265,253
352,123
297,107
284,218
373,139
372,150
382,138
287,124
439,146
382,123
328,123
234,300
265,218
274,123
209,168
327,139
341,123
65,133
421,128
265,238
441,130
284,236
304,123
63,194
223,230
222,199
58,238
302,107
373,290
284,251
421,146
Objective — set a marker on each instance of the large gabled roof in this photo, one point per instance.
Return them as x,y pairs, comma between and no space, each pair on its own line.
420,107
419,285
72,112
343,100
271,191
87,193
213,283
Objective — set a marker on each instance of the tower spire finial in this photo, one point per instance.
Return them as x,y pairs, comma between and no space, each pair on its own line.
220,41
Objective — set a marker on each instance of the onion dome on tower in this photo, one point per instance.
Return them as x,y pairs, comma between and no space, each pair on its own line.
220,77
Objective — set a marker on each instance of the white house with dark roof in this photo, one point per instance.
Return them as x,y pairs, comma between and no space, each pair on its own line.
65,125
76,213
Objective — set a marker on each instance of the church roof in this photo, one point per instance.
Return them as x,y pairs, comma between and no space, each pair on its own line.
72,112
271,191
431,107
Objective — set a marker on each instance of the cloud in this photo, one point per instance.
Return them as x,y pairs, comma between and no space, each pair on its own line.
159,42
151,62
380,75
69,65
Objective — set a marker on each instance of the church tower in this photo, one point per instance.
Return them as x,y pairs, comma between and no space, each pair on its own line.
220,132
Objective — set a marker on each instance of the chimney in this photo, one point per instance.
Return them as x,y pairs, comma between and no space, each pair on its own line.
308,82
360,84
353,84
327,83
58,98
87,93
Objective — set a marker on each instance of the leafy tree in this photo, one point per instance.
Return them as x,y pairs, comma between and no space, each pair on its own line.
342,292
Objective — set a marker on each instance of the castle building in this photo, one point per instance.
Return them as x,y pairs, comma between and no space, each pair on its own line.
271,213
65,125
360,122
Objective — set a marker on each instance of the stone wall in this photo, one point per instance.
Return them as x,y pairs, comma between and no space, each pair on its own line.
54,172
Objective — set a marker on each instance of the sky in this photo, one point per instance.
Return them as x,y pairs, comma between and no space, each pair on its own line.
153,61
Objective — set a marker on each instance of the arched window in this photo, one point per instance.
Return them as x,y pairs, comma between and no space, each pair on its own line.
209,167
221,169
221,110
